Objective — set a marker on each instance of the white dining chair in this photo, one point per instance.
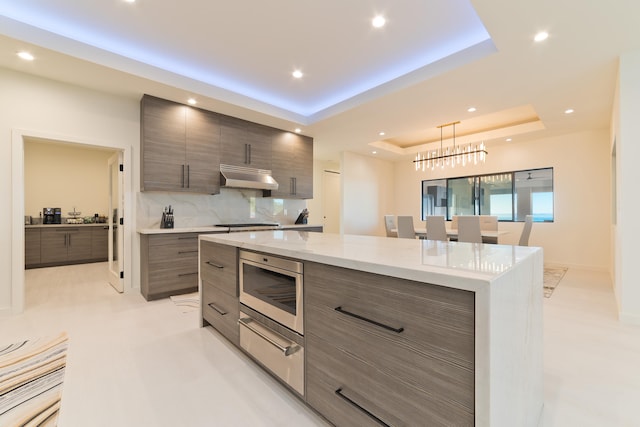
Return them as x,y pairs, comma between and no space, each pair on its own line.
526,231
469,229
405,227
436,229
489,223
390,225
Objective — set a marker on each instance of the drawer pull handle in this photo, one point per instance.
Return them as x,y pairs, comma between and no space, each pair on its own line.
213,264
220,311
345,398
287,351
188,238
357,316
187,252
187,274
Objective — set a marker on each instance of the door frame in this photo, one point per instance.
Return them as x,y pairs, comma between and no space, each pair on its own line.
18,199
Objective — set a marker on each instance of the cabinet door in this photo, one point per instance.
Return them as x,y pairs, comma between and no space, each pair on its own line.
292,163
233,142
163,136
203,152
245,144
100,243
259,138
53,244
78,244
32,246
303,167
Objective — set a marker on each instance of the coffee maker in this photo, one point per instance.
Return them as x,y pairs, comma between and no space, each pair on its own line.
51,216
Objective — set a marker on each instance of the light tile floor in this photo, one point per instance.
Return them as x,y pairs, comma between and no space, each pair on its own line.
138,363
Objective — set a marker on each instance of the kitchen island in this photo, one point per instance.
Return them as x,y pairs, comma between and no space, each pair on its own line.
465,342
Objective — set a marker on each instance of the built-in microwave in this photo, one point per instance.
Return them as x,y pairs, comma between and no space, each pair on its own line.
272,286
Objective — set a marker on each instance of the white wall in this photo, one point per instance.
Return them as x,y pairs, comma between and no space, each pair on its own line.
579,236
31,106
627,226
65,176
367,194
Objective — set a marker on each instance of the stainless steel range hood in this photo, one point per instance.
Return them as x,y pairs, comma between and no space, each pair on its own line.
243,177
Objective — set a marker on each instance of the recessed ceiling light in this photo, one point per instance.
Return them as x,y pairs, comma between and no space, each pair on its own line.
471,109
297,74
374,152
192,101
568,111
129,1
509,139
381,133
298,130
26,56
541,36
378,21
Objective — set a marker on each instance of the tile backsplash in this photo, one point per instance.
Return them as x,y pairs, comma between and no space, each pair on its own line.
231,205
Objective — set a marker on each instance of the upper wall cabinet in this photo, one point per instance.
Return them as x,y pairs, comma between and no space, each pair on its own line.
245,143
180,148
292,165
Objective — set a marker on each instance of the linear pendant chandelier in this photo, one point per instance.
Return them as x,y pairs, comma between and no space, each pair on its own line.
452,156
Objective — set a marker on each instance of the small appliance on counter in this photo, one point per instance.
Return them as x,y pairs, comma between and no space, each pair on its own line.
167,218
302,218
51,216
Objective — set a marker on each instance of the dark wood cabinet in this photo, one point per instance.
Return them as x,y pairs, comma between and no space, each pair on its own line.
50,245
100,243
219,276
245,143
31,247
180,148
292,165
384,348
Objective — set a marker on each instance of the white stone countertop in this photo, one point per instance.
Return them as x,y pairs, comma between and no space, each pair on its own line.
214,229
468,266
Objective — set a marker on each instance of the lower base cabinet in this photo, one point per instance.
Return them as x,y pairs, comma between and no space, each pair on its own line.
220,305
64,245
387,351
168,264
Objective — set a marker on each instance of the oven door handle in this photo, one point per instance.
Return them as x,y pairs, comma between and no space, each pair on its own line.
287,351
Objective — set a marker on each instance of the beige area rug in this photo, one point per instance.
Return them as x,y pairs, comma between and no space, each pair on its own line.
31,376
187,302
552,276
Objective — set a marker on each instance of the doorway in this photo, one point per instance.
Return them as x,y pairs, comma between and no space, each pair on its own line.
19,139
331,196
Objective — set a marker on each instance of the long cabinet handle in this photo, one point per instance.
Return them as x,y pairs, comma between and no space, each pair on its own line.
357,316
186,252
373,417
213,264
188,238
188,177
182,176
219,310
187,274
287,351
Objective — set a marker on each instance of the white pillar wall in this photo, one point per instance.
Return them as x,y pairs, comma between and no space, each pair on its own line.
626,228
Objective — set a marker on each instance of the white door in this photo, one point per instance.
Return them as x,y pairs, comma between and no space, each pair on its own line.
331,196
116,215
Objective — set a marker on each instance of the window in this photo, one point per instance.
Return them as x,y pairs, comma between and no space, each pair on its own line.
510,196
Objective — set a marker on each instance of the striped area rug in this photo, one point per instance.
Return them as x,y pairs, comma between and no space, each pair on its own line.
31,376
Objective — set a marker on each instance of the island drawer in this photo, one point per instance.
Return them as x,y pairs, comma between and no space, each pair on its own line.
430,320
221,311
350,391
219,266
